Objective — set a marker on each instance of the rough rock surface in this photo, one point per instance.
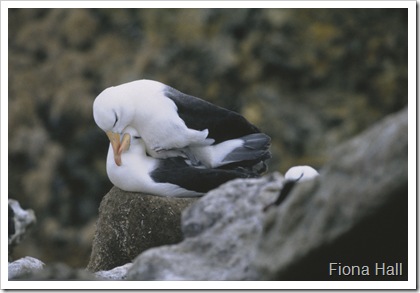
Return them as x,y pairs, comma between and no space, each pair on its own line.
221,231
116,274
19,222
355,213
24,267
130,223
32,269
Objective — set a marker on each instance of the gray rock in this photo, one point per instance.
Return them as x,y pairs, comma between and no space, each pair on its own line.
130,223
24,267
354,213
116,274
57,272
221,230
20,221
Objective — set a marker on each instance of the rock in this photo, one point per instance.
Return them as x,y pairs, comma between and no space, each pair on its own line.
58,272
354,213
32,269
24,267
116,274
221,230
130,223
19,222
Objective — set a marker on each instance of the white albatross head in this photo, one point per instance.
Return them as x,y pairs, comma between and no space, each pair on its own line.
301,173
115,108
112,116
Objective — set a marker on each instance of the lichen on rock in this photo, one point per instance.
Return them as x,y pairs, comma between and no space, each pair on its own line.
130,223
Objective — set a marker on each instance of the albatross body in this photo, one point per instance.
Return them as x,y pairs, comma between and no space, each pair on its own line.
172,177
173,124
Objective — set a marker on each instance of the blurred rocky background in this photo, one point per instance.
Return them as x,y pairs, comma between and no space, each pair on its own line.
309,78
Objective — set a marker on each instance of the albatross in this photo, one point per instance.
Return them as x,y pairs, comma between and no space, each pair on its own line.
174,124
171,177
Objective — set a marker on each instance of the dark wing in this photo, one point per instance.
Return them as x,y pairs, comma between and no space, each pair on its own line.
199,114
176,171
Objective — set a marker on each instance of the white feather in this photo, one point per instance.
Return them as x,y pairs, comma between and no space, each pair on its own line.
133,174
302,173
213,156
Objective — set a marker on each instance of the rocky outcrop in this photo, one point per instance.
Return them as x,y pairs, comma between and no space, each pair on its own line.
355,212
220,230
130,223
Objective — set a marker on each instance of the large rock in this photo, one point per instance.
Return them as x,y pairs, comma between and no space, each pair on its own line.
130,223
355,213
221,231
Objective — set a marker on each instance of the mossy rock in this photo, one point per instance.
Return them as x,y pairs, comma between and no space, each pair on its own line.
129,223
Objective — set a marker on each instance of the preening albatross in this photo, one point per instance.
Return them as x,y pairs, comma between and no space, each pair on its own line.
174,124
172,177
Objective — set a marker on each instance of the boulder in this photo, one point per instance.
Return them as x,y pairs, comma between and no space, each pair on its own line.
354,213
221,231
129,223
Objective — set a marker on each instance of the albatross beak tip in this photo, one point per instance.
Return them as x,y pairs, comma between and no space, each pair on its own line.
117,159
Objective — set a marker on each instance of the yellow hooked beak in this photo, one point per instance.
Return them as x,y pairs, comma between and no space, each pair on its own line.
117,146
114,138
125,144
